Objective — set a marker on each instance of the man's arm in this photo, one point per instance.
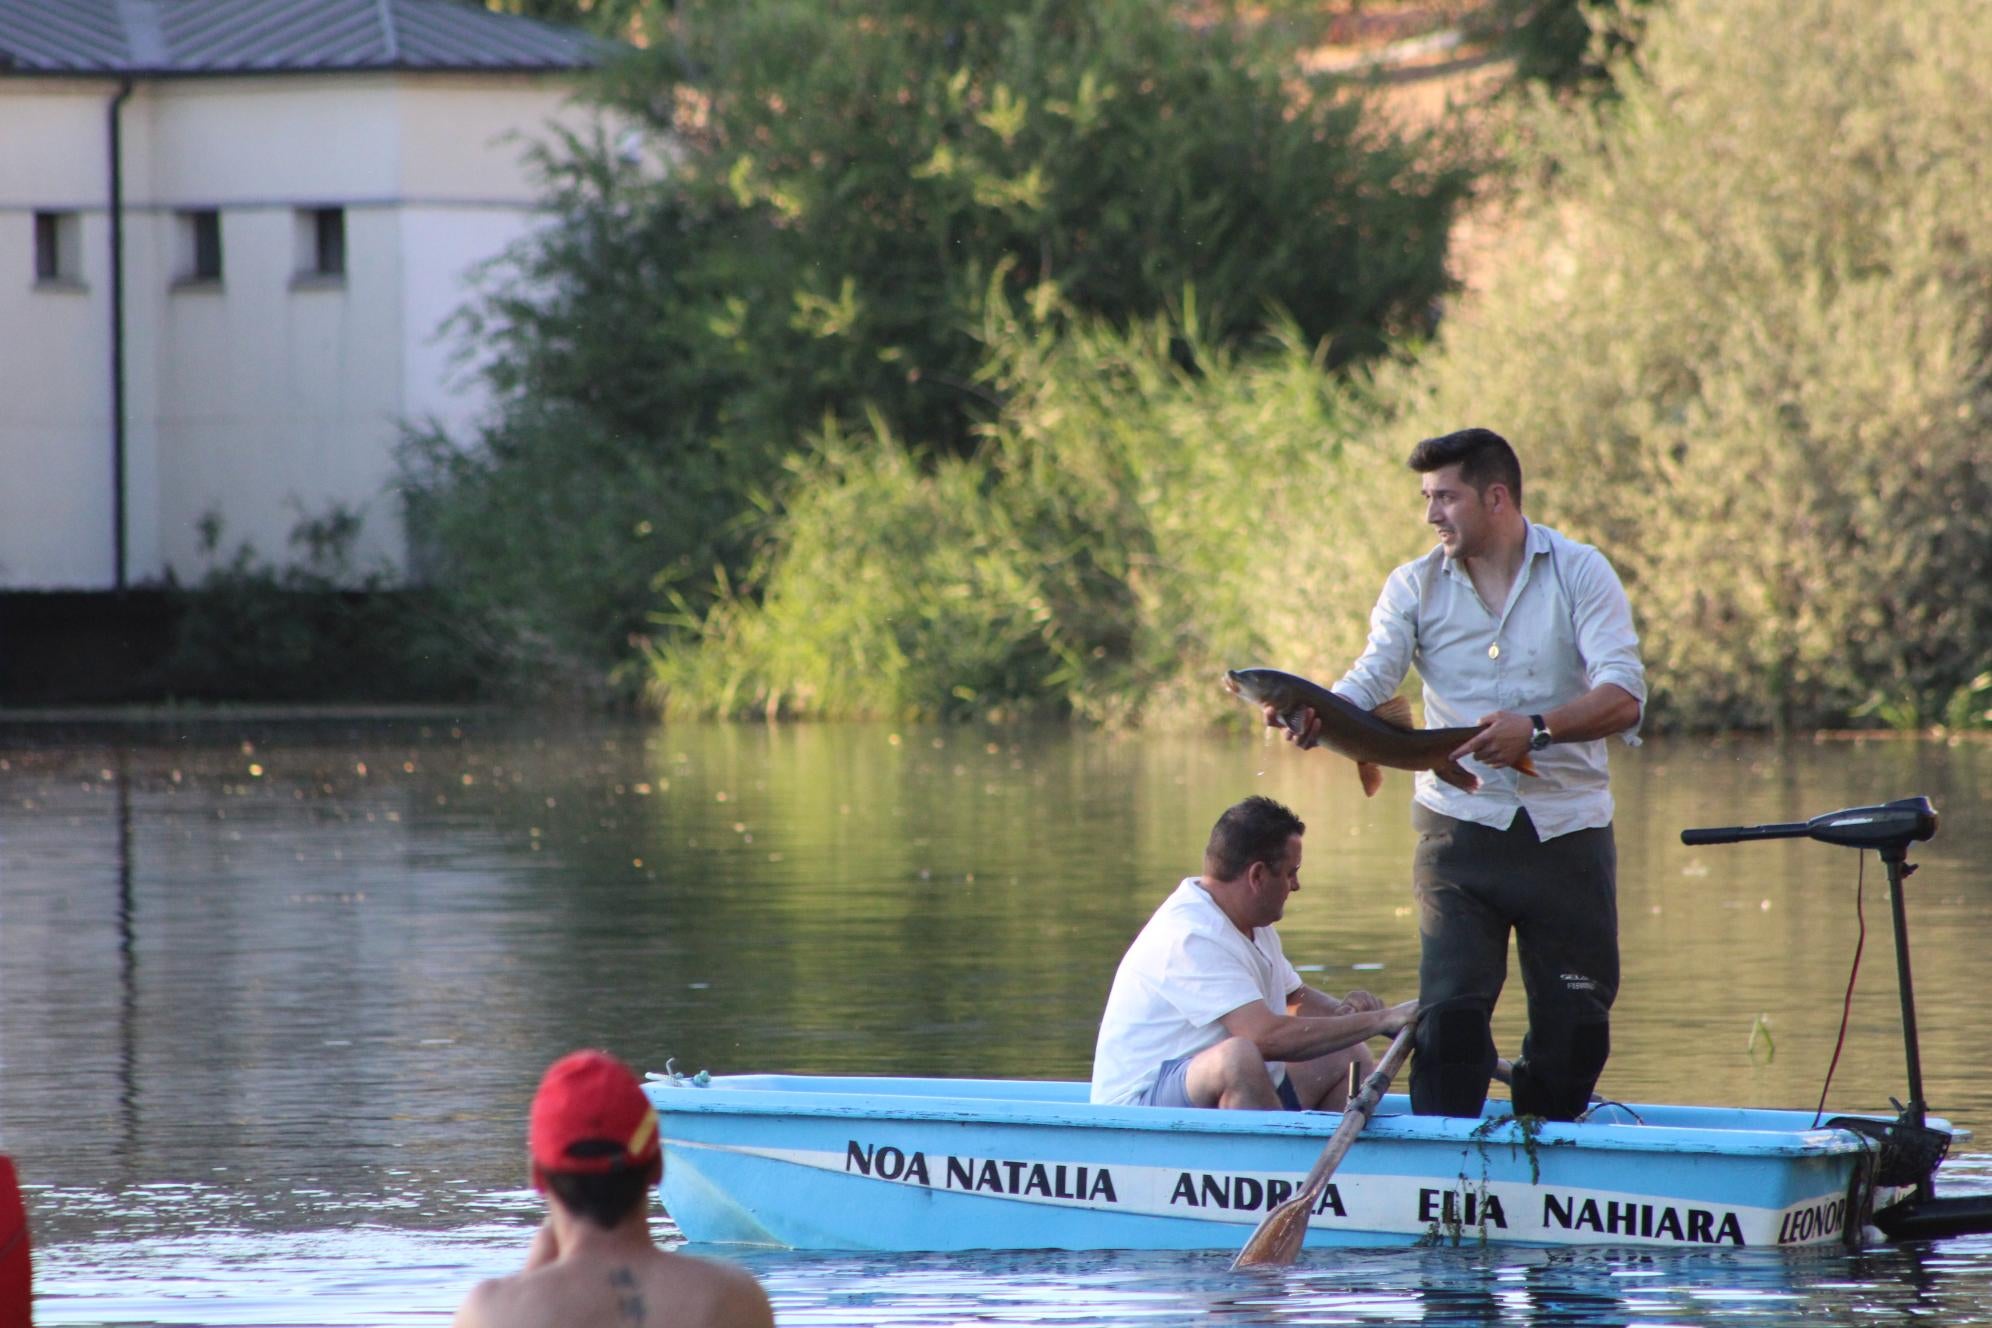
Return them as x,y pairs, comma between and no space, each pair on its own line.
1609,647
1380,670
1305,1000
1285,1037
1393,639
1599,713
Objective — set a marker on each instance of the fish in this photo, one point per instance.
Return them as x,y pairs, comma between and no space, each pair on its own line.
1372,739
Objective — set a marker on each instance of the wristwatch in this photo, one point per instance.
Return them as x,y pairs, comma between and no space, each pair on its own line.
1541,737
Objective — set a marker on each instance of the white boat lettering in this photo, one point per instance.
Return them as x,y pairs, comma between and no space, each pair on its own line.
1699,1226
1205,1189
1453,1208
986,1175
1813,1222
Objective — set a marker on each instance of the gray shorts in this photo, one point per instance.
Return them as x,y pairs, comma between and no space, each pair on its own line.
1171,1086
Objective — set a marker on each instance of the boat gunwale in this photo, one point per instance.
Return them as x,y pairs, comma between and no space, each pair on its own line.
719,1098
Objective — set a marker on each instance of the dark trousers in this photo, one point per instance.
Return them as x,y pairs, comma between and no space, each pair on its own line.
1474,884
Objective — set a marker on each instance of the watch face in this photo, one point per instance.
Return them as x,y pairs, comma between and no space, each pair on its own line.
1539,740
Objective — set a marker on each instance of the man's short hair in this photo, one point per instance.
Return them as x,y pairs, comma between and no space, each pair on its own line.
605,1198
1483,458
1255,830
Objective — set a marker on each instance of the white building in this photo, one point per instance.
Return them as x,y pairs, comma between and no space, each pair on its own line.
229,233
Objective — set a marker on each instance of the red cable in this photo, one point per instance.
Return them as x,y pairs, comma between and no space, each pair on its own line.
1847,1007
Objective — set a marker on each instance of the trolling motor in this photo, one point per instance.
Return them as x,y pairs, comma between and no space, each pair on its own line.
1910,1149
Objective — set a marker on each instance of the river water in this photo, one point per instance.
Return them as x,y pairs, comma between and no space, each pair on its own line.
274,995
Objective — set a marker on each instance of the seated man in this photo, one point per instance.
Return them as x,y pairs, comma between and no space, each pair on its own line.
1205,1009
596,1156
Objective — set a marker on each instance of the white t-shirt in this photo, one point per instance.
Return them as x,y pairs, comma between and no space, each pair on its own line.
1188,968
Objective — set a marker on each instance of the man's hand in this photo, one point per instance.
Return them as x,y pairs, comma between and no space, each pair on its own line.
1356,1002
1398,1016
545,1248
1503,741
1310,729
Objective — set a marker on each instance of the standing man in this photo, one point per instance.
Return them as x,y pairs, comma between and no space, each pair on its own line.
1206,1011
596,1156
1516,627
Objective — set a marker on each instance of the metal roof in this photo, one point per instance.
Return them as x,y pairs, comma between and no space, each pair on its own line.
168,37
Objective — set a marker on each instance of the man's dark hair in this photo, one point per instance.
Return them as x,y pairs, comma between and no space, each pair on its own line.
604,1198
1482,455
1256,830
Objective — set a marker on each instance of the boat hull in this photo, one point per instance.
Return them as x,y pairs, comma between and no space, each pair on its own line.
928,1164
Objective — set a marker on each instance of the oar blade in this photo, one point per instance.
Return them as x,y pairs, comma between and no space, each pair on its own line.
1280,1235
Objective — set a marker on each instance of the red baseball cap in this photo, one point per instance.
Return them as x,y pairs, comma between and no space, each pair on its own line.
590,1115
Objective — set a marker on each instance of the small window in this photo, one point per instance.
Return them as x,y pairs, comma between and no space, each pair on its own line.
200,245
321,245
58,248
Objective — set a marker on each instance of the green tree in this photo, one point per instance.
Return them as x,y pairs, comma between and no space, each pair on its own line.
1146,510
638,21
1563,44
1740,338
1741,343
825,194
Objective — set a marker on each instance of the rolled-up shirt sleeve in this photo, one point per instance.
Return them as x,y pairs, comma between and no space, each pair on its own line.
1393,640
1606,639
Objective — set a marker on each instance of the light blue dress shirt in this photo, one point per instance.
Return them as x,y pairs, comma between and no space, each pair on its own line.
1565,629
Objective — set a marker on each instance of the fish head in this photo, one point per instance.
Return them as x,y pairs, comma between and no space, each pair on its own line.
1256,686
1251,686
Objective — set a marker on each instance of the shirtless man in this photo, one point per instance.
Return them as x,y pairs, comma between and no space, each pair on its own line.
596,1156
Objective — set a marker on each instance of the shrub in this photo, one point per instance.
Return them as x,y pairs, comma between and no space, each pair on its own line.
828,190
1741,344
1146,511
315,628
1564,45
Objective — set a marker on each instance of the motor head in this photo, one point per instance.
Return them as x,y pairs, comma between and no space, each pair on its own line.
1885,825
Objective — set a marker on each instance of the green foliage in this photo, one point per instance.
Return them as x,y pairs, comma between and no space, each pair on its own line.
828,193
1968,708
314,629
1564,45
1742,344
1146,511
641,21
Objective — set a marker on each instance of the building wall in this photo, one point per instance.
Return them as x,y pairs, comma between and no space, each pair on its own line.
55,349
267,396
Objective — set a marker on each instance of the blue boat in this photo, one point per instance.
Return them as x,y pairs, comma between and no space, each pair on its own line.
809,1162
956,1164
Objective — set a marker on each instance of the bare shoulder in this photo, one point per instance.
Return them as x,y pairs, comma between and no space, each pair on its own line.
713,1293
480,1307
632,1291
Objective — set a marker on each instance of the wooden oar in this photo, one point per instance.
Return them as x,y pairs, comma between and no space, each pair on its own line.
1279,1236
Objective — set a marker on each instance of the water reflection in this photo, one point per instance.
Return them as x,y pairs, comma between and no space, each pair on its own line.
288,987
127,961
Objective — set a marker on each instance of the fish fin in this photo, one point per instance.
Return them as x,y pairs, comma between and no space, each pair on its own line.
1372,777
1456,775
1395,711
1527,767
